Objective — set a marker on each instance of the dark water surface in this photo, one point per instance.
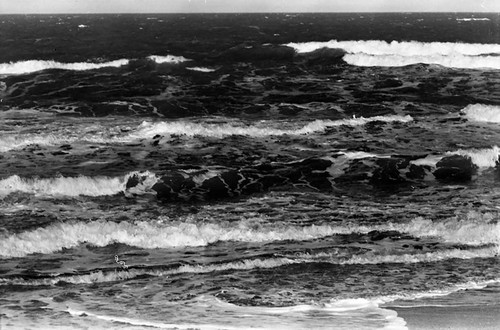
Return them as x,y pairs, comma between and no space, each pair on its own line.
293,171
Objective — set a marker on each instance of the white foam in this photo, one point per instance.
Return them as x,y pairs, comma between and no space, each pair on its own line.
201,69
72,186
39,65
168,59
393,54
450,61
482,112
148,130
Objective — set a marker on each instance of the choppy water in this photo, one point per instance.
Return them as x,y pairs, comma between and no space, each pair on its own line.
251,171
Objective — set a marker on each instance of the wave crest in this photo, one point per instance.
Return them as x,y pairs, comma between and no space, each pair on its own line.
477,229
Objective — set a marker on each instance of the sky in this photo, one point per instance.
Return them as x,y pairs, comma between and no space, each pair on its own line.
197,6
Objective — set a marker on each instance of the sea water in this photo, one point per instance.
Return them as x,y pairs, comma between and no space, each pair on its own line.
248,171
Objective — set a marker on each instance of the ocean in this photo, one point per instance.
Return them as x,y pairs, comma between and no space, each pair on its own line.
250,171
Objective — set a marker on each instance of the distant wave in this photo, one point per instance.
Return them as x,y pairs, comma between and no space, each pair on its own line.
476,230
201,69
148,129
482,112
168,59
381,53
469,19
39,65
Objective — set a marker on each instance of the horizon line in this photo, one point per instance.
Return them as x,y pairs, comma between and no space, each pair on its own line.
254,12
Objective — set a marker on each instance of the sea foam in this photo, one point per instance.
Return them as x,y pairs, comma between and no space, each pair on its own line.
39,65
382,53
482,112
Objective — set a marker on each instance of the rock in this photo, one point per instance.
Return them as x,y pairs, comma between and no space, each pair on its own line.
388,83
455,168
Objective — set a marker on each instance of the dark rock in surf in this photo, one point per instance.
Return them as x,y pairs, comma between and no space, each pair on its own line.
388,83
417,172
455,168
388,171
376,235
323,56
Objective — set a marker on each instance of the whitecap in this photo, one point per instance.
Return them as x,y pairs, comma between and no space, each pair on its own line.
482,112
168,59
30,66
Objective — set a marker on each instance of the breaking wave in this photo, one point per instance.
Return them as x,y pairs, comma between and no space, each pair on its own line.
148,129
482,112
382,53
70,186
39,65
477,229
482,158
405,48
